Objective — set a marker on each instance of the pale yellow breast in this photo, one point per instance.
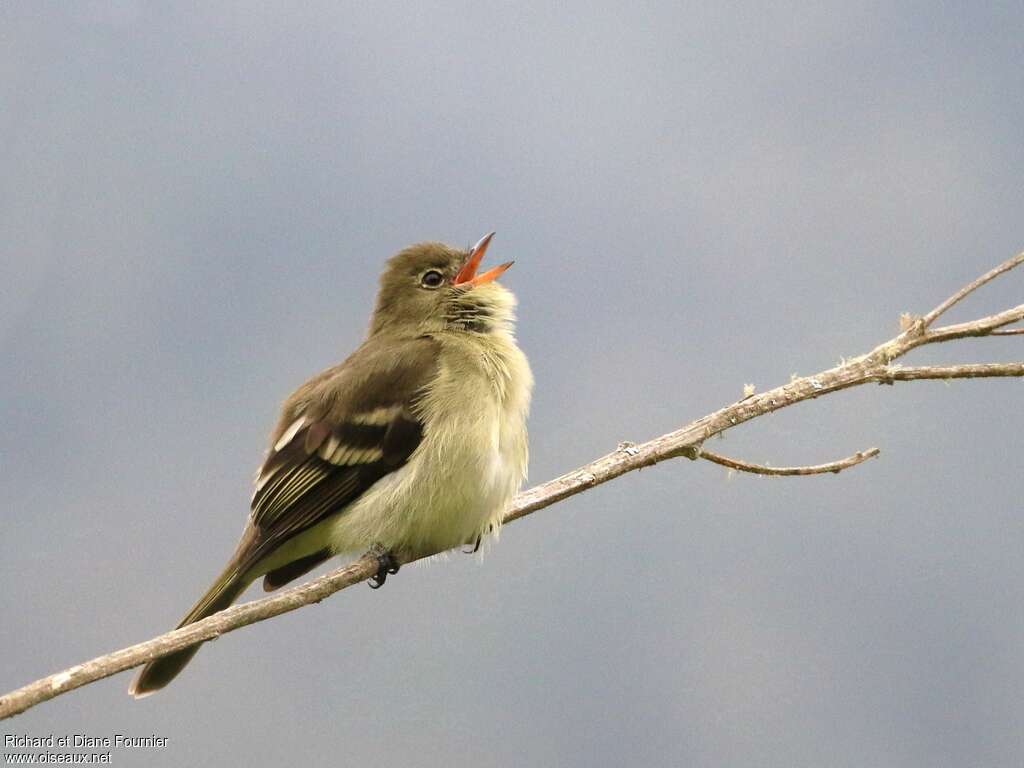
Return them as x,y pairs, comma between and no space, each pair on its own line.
471,462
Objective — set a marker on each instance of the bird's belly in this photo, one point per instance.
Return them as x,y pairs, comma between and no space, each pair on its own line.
455,488
458,482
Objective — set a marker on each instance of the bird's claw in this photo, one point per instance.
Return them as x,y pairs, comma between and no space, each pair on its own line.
387,565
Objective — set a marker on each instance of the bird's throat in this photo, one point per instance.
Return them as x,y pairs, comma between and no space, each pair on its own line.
486,309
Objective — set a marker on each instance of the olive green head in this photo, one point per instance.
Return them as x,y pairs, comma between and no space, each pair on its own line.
429,287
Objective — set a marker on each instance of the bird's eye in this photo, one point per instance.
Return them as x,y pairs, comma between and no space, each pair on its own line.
431,279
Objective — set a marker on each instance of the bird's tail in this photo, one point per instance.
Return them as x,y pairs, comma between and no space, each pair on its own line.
225,590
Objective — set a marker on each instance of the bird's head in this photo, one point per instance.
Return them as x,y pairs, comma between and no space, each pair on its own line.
429,287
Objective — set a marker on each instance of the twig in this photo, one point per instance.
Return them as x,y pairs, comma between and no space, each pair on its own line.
1008,332
872,367
983,327
992,274
835,467
208,629
976,371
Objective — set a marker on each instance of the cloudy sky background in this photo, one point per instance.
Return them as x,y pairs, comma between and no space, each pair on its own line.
195,201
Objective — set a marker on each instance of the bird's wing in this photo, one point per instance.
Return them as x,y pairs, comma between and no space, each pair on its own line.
340,433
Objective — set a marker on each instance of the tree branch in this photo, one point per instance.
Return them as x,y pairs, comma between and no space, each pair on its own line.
976,371
834,467
992,274
875,366
981,327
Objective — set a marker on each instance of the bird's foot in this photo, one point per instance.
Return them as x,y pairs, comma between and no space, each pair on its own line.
387,566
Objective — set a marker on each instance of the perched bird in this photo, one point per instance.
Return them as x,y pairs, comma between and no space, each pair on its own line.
413,445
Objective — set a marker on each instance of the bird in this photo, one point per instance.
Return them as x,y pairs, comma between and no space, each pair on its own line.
413,445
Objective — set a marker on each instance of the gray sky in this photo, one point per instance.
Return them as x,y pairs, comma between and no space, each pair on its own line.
195,200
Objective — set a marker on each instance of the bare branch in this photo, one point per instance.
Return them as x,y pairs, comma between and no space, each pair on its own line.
833,467
875,366
1008,332
981,327
976,371
992,274
208,629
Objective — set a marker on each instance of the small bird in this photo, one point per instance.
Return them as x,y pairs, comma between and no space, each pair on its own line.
413,445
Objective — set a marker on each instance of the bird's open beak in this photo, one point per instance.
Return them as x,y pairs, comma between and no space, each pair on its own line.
467,275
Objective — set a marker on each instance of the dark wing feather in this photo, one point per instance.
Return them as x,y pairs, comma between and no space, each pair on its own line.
281,576
339,434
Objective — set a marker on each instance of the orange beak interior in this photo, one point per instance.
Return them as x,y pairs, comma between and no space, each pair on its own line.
468,276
